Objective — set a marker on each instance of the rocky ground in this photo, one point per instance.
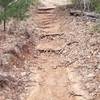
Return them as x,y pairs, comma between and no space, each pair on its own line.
50,56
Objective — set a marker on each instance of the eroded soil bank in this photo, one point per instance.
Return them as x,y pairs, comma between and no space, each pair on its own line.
51,56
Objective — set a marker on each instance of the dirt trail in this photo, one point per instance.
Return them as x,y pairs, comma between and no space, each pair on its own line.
64,57
53,79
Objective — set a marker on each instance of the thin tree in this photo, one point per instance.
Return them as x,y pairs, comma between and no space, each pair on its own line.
4,4
13,8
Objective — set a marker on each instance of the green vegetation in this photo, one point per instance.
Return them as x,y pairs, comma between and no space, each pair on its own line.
96,5
13,9
3,16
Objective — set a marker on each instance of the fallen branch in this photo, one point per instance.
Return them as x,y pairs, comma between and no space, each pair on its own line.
76,12
92,14
82,13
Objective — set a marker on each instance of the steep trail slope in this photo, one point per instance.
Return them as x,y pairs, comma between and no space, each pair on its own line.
53,79
67,57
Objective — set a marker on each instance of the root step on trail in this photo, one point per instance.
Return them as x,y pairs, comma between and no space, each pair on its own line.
52,45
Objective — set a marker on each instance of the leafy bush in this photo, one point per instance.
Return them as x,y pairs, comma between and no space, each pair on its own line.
96,5
11,8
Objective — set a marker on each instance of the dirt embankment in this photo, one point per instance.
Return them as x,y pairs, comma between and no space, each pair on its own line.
17,54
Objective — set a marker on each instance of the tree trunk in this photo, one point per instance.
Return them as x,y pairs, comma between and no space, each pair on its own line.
4,24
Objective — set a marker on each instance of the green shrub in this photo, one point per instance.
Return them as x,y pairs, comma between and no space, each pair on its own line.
16,9
96,5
